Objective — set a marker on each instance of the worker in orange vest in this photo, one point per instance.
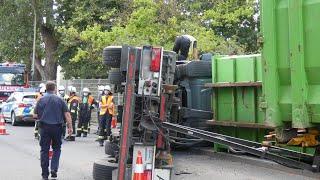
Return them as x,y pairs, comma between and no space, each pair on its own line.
107,111
73,105
86,105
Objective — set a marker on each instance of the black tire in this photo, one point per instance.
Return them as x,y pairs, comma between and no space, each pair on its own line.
110,148
14,119
115,76
199,69
102,169
112,56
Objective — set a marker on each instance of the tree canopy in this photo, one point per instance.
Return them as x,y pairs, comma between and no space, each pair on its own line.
72,33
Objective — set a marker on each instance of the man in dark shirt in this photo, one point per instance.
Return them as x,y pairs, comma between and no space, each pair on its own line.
185,46
51,111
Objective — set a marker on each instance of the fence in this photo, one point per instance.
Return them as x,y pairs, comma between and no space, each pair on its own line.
92,84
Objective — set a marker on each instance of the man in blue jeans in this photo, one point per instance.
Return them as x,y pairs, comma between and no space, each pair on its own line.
51,111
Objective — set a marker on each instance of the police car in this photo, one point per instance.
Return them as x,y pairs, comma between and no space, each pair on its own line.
19,107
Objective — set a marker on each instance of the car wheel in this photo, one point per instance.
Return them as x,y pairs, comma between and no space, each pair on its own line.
14,119
102,169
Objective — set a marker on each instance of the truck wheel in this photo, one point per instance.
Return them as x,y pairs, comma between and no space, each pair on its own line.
199,69
112,56
110,148
102,169
115,76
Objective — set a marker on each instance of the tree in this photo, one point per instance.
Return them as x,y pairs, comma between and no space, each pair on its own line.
75,32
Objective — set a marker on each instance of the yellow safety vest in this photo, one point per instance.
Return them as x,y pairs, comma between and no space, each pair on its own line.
71,100
106,101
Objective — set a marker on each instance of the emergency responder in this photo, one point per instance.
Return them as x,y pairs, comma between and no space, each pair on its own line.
100,94
73,105
40,94
187,46
62,93
86,105
107,111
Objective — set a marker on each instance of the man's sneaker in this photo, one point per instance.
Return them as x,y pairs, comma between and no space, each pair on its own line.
45,178
54,174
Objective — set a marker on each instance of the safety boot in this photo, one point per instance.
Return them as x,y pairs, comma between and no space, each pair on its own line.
84,134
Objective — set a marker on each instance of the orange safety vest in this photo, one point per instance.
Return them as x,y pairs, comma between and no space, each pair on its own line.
106,101
90,100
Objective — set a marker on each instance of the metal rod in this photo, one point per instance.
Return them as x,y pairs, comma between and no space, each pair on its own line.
251,150
275,149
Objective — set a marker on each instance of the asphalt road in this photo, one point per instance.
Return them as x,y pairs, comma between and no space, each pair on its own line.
19,158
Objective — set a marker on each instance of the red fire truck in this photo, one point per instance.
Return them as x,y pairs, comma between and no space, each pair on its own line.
12,76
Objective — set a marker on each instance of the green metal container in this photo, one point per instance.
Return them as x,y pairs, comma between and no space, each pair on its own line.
236,82
291,62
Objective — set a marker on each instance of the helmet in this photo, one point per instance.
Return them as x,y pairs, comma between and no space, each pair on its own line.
86,90
107,87
73,89
43,90
61,88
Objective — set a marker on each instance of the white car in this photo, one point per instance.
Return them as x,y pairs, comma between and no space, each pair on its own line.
19,107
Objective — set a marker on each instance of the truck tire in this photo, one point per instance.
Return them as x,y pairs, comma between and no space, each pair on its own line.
199,69
112,56
115,76
102,169
110,148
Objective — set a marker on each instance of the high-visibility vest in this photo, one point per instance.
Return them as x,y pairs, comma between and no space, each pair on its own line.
107,100
73,104
90,100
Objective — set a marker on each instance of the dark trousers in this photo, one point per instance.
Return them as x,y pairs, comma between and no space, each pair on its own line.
83,123
50,134
74,119
105,125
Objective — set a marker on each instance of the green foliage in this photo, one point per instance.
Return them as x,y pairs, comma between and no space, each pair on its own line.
85,27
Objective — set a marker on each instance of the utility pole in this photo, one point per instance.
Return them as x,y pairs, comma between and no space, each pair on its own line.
34,43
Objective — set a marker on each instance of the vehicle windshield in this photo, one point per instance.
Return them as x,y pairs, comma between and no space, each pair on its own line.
11,79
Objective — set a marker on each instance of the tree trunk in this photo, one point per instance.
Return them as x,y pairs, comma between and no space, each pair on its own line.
39,73
51,45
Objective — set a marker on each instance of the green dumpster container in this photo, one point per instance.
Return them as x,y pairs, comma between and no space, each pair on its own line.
236,83
291,62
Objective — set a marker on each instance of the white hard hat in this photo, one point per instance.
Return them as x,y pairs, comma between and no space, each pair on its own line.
73,89
61,88
86,90
41,85
107,87
43,90
100,88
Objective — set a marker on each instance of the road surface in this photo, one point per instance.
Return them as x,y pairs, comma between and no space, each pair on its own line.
19,158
